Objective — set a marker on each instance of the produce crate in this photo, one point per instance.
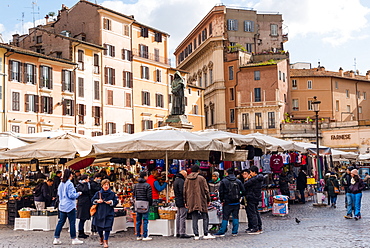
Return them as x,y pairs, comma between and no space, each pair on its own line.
4,217
167,214
24,214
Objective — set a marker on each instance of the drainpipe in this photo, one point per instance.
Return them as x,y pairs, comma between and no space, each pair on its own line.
357,112
11,51
132,83
75,84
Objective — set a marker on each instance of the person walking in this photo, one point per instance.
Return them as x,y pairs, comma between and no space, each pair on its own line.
196,196
231,190
178,187
106,200
67,208
95,186
330,185
346,182
143,192
355,190
302,185
83,204
253,187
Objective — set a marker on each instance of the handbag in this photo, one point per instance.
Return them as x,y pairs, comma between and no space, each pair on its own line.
94,207
141,207
336,190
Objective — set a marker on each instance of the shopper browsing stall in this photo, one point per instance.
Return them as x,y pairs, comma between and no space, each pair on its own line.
182,211
43,194
156,186
214,184
83,204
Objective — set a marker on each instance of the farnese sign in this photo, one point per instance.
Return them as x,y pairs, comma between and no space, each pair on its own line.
341,137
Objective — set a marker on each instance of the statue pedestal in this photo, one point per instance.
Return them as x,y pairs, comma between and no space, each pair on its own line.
179,121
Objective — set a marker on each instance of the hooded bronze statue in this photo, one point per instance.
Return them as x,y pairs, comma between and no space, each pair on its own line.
178,98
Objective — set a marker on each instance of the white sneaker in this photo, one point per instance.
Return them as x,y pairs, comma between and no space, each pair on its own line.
196,237
147,239
76,241
209,236
139,238
57,241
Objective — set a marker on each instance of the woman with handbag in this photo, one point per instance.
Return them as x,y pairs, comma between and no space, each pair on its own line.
355,189
105,200
332,187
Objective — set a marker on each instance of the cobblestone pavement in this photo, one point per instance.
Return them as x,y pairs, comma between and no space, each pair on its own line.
319,227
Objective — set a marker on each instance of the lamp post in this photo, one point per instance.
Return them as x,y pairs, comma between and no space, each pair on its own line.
316,108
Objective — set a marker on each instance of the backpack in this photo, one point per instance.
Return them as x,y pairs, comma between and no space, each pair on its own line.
234,191
37,190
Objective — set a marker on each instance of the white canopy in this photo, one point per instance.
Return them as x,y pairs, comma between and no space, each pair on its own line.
8,141
364,156
274,144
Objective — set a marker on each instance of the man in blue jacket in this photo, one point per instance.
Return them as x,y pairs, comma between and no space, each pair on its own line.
231,190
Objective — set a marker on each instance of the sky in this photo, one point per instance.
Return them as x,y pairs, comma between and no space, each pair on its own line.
334,33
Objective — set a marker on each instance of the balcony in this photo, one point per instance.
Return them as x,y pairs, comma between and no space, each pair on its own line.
151,56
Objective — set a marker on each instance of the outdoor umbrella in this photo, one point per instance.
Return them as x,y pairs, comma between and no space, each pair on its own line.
274,144
8,141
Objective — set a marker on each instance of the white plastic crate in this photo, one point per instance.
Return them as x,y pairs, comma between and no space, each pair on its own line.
22,224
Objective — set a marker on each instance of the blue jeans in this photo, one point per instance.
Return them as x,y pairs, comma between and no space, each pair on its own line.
349,203
333,199
139,218
228,210
72,223
356,198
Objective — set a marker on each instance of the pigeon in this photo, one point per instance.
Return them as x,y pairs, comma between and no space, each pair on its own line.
297,221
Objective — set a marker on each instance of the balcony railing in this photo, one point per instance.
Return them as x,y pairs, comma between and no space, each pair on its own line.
151,56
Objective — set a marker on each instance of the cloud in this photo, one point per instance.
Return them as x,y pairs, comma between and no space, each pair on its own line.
334,21
18,29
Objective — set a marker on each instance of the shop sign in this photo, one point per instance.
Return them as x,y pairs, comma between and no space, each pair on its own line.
341,137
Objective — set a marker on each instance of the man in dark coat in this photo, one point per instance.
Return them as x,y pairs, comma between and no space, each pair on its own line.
302,184
231,190
56,182
253,187
346,182
43,199
95,187
182,211
83,204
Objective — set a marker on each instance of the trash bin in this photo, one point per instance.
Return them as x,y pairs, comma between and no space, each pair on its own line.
280,206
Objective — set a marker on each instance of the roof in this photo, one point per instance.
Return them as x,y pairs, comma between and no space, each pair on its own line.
32,53
109,10
264,63
157,30
321,72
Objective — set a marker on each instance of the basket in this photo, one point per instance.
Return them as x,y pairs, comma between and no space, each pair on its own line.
167,214
24,214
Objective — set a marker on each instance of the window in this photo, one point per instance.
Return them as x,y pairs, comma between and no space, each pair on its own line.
336,85
364,95
67,81
309,105
127,79
15,101
204,34
158,37
279,75
210,76
257,94
107,24
231,72
96,133
147,124
80,60
249,26
143,51
245,121
360,110
96,90
81,111
336,105
348,108
144,32
110,76
232,24
110,50
126,30
294,84
80,87
232,44
200,81
158,75
205,76
31,103
126,55
145,72
15,128
232,94
128,100
68,107
159,100
199,39
31,129
46,105
283,76
96,63
257,75
110,97
232,115
249,47
46,80
145,98
59,55
110,128
195,109
96,114
39,39
295,104
271,119
358,95
210,28
309,84
258,120
30,74
15,69
156,54
129,128
274,30
347,93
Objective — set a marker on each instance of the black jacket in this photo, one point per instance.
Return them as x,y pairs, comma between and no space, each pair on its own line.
253,187
143,191
301,181
284,184
46,194
94,187
178,187
83,201
225,188
56,182
346,181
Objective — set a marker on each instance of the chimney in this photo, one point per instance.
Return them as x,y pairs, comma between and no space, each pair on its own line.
321,68
15,39
351,74
368,75
47,19
341,72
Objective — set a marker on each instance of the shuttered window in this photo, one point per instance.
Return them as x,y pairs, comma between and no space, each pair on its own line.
81,89
15,101
110,97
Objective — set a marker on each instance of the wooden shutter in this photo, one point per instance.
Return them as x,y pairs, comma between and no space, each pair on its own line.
128,100
41,79
114,127
24,73
93,111
84,109
72,107
150,124
129,54
113,51
110,97
106,49
50,70
123,54
50,105
124,79
131,80
64,87
148,98
26,100
37,103
252,24
72,78
147,72
42,107
107,128
64,104
105,75
142,71
10,70
34,74
113,76
142,97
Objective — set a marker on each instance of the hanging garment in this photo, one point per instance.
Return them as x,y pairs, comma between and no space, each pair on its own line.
256,161
276,163
286,158
265,161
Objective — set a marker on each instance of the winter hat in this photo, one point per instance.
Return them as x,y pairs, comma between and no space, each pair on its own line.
216,174
354,172
84,176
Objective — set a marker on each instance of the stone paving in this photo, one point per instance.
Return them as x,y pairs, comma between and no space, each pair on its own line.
319,227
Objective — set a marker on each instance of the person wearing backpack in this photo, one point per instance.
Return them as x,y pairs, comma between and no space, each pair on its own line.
231,190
